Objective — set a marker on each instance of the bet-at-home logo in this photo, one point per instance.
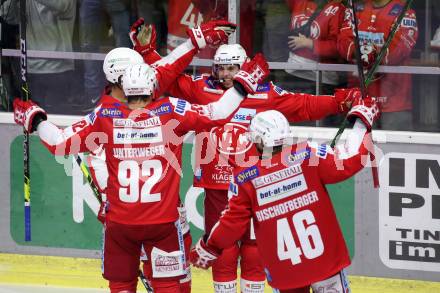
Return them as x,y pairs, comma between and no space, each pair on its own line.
409,211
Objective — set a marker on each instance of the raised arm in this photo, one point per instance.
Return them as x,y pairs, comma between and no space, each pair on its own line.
77,138
305,107
349,158
201,117
170,67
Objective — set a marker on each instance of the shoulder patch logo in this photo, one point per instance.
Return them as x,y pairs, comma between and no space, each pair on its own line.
196,77
397,8
180,107
299,156
278,90
232,190
110,113
92,116
321,151
264,87
161,110
247,175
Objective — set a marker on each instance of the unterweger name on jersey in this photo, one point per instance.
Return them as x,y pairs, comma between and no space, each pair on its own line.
129,153
127,131
279,184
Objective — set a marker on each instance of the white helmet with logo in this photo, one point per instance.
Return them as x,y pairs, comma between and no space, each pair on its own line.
117,60
269,127
139,80
230,54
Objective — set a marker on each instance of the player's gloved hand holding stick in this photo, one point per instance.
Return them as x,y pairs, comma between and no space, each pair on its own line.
28,114
366,110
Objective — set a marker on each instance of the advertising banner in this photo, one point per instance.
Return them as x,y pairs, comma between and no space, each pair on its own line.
409,209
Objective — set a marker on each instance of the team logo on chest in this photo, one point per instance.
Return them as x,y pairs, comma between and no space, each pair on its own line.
247,175
230,139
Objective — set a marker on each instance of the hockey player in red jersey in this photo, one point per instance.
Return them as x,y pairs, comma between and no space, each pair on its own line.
375,21
142,138
214,175
229,143
115,63
297,232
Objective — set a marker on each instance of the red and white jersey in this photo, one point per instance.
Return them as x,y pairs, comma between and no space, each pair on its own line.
296,229
183,14
143,151
324,29
375,24
227,145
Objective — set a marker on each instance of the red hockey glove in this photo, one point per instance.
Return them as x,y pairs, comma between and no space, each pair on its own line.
28,114
101,214
143,37
345,97
251,74
201,256
212,33
102,211
365,109
368,55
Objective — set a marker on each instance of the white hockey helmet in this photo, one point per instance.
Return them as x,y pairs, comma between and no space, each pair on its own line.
269,127
230,54
139,80
117,60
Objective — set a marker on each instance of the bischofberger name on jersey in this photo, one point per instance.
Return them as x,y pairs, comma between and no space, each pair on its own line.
281,189
137,136
128,153
287,206
129,123
277,176
246,175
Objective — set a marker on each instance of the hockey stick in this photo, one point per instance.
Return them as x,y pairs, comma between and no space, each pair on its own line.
376,63
145,282
363,88
98,196
25,97
4,99
88,177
